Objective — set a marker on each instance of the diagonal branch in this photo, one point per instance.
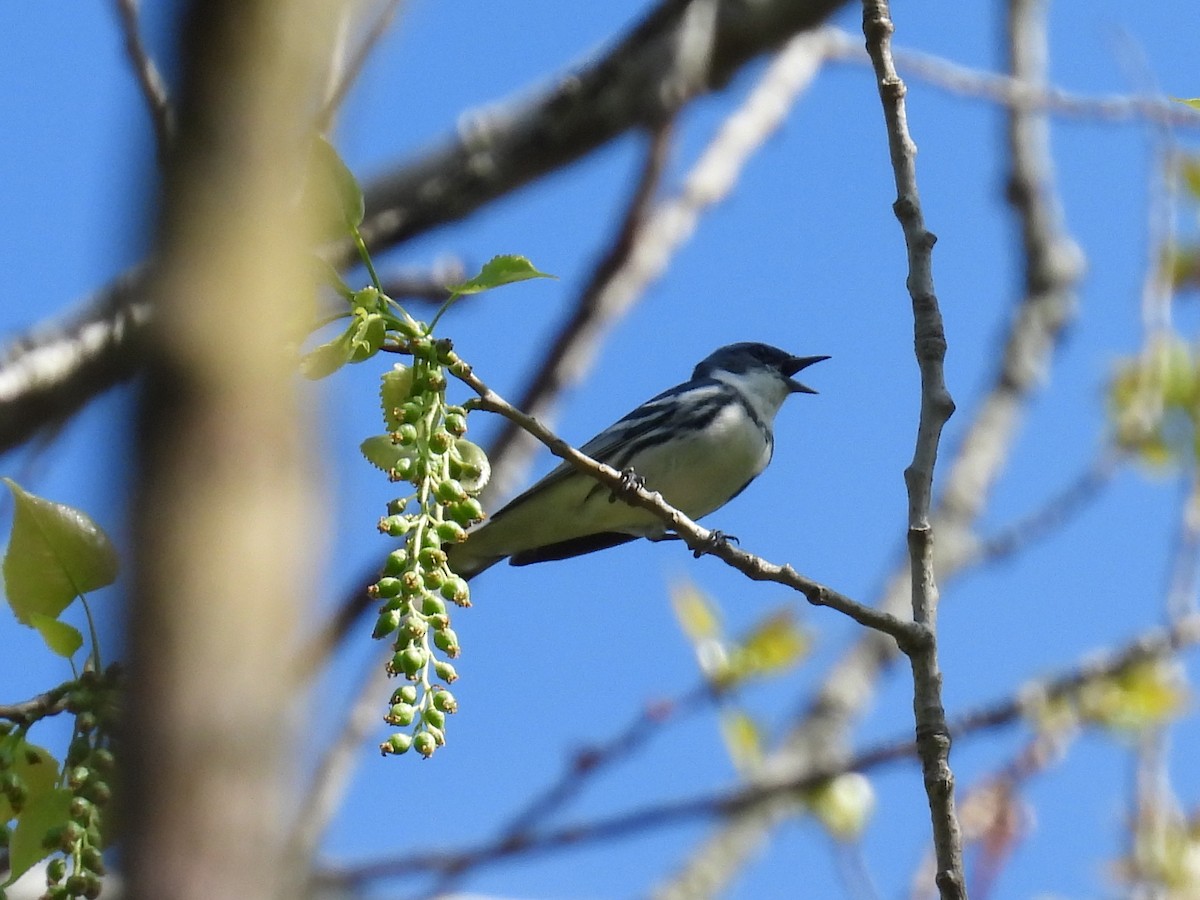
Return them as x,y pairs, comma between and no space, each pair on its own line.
699,540
501,150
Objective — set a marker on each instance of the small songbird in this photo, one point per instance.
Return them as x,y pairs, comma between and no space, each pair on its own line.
699,444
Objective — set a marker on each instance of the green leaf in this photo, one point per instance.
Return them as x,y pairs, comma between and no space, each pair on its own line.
335,175
395,388
369,333
36,769
383,453
470,466
55,554
60,637
499,271
41,814
324,360
1194,102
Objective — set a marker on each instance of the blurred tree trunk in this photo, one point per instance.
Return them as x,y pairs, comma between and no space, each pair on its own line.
222,512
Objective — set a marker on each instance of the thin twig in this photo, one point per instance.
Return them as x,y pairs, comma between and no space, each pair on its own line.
1018,706
1050,516
583,768
1053,266
1017,92
149,79
26,712
933,738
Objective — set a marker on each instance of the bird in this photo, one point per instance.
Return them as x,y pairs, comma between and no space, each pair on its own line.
699,444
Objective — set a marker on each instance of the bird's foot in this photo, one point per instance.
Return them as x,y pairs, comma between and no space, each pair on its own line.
630,480
715,539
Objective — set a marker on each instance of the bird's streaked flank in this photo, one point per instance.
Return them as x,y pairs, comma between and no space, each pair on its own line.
699,444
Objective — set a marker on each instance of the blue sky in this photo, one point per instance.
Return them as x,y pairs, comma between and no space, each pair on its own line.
806,254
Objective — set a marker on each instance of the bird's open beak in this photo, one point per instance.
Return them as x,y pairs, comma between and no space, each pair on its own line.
794,365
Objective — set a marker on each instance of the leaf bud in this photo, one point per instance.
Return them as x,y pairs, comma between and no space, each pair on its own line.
388,621
412,660
395,745
447,641
425,744
395,526
386,588
433,606
456,589
400,714
450,491
395,562
451,532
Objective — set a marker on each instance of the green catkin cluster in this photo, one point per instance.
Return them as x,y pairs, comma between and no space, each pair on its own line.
427,451
85,786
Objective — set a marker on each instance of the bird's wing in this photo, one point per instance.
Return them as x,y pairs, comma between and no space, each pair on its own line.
614,446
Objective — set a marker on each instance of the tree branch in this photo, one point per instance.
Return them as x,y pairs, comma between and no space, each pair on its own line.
699,540
502,149
785,792
149,79
933,737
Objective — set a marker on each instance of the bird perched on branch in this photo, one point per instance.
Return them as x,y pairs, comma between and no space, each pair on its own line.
699,444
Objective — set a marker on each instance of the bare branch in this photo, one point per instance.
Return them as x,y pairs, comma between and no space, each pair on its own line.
783,793
933,738
499,152
150,81
26,712
1053,266
1017,92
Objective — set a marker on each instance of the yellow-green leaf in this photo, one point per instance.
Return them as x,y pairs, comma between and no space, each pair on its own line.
334,189
1142,695
60,637
41,813
743,739
36,769
775,645
843,804
383,453
697,615
499,271
394,390
55,554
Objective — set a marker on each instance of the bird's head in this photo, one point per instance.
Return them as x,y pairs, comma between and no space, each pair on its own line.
751,364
